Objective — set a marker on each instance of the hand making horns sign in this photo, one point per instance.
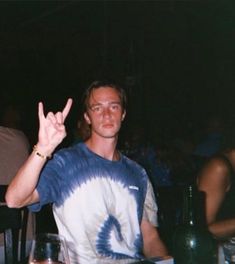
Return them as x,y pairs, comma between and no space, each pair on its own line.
51,127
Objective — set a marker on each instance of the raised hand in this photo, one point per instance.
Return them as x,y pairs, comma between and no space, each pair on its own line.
51,127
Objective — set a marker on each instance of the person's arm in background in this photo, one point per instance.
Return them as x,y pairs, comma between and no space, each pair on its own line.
214,180
22,189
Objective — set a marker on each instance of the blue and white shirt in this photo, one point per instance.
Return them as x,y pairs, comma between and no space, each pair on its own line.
98,204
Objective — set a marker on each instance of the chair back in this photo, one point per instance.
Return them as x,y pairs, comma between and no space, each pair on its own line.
13,225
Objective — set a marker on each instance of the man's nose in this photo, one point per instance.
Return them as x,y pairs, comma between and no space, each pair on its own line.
106,111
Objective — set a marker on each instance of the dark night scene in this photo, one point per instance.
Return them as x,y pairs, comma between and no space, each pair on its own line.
174,59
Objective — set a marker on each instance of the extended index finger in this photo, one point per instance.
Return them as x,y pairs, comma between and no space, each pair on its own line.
67,108
40,111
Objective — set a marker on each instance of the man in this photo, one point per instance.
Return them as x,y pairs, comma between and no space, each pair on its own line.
103,203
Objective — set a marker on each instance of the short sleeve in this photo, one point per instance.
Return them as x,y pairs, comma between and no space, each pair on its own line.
150,206
50,184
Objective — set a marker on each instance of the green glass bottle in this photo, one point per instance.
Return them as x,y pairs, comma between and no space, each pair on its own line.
192,242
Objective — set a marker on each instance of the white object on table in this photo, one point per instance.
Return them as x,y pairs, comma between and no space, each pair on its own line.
163,260
221,259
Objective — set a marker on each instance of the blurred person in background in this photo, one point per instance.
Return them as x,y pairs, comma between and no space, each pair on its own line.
217,180
14,150
211,139
209,142
14,145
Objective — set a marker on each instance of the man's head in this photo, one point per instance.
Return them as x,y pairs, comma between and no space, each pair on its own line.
104,108
10,116
97,84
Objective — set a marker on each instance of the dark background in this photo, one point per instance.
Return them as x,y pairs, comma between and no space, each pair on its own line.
176,58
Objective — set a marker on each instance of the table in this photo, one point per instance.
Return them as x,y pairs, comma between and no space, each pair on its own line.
156,260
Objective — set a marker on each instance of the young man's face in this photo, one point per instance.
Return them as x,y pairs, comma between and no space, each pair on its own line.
105,112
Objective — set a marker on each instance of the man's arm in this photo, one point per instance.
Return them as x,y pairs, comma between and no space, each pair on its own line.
153,245
214,180
22,189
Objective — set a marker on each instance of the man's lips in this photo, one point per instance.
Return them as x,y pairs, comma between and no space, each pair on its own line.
107,125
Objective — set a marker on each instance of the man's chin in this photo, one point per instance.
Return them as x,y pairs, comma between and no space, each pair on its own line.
109,134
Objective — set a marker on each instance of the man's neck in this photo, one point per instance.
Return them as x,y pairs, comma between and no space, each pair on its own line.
104,147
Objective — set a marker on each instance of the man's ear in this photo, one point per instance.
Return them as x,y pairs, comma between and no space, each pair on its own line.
123,115
87,118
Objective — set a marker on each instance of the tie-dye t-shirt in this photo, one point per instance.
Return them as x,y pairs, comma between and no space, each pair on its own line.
98,204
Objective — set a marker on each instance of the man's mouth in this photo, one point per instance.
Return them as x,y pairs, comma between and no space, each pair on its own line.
108,125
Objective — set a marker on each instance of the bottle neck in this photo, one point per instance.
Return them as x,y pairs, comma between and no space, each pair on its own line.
193,207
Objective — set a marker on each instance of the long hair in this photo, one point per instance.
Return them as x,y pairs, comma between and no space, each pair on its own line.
105,83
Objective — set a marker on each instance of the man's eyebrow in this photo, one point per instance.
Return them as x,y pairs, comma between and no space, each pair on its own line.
115,102
95,104
112,102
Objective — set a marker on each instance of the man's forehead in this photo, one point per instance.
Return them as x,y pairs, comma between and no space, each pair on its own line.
104,94
104,89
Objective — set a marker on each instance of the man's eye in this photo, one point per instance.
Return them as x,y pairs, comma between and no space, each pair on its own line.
115,107
96,108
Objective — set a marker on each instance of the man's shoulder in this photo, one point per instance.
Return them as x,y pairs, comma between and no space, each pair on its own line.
69,151
12,136
11,131
132,163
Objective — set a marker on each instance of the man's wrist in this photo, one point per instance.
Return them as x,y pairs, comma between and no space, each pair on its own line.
40,153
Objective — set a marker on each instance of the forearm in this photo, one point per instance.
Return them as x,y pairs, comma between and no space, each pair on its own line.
153,245
21,190
223,229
